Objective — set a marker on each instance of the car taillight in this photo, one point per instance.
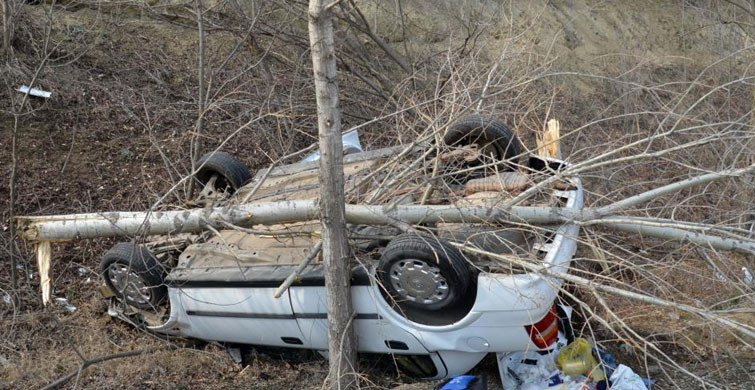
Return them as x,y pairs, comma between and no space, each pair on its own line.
544,332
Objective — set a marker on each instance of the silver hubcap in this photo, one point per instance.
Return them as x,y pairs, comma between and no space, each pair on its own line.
416,281
128,283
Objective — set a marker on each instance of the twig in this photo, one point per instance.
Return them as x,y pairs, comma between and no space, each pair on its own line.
304,263
673,187
65,378
546,271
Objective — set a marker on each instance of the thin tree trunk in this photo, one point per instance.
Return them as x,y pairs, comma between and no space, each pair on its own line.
341,338
8,15
196,140
7,28
12,201
747,221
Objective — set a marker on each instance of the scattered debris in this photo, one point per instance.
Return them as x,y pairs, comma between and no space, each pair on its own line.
34,92
527,370
66,306
626,349
235,354
350,142
465,382
623,378
747,275
577,366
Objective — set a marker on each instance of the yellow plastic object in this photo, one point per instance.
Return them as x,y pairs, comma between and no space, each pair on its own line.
576,359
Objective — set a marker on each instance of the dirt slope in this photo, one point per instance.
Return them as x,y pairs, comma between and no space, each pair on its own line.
114,137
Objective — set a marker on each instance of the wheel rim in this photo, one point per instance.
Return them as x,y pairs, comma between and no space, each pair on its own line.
221,184
487,147
489,152
217,184
128,283
416,281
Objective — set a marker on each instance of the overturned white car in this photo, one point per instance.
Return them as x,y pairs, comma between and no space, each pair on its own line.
432,296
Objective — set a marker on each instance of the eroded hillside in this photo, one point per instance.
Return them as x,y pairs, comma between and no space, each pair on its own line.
116,134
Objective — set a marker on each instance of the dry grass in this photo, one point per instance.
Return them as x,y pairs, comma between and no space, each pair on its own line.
114,137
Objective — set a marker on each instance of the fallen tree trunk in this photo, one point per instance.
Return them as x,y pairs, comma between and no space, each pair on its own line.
126,224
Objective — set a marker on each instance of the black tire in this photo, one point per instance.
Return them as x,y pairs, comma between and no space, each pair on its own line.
487,134
405,253
137,262
230,171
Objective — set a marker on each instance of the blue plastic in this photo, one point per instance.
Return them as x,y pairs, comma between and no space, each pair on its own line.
609,365
459,382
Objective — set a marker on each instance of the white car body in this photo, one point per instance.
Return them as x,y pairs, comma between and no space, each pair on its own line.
238,309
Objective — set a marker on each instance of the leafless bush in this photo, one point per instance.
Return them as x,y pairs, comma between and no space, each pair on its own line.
404,79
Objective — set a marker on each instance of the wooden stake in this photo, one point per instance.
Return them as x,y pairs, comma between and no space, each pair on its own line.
44,258
549,145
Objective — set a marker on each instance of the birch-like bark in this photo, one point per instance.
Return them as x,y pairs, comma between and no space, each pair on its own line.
125,224
674,187
546,270
335,247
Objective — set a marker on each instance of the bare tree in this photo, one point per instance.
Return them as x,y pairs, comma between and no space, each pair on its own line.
669,134
195,146
335,248
8,27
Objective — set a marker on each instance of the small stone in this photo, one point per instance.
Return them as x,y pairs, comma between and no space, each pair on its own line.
235,354
626,349
127,155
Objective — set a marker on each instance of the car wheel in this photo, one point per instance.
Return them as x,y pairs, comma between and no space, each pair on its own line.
223,171
134,275
423,272
491,138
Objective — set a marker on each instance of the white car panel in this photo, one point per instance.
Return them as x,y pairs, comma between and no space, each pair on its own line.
373,331
239,315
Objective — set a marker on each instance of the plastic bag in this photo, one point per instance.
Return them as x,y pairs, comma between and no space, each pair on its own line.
525,368
623,378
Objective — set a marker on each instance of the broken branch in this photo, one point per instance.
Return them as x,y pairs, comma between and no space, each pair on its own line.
592,285
65,378
291,278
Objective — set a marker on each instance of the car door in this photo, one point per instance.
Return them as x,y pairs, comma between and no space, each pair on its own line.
374,333
246,314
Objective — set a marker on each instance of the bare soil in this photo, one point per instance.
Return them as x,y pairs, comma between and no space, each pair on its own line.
116,132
